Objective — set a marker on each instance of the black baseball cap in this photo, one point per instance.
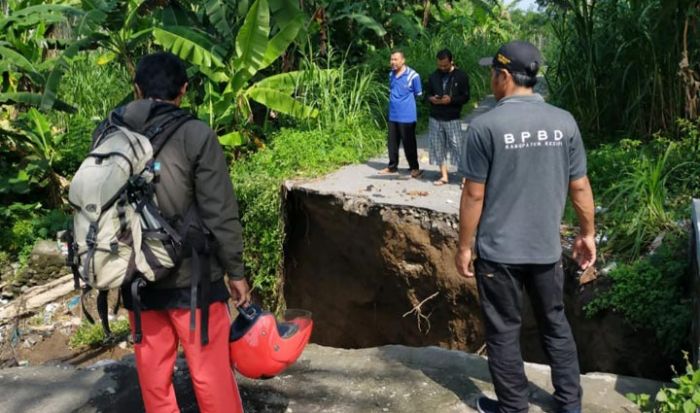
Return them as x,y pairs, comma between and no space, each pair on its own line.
517,57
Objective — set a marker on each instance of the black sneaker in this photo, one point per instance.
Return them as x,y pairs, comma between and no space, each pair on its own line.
486,405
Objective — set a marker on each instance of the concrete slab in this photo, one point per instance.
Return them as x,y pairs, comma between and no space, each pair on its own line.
363,180
385,379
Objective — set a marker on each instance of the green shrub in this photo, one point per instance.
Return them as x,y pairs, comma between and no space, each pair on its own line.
651,293
22,224
75,145
685,181
608,162
684,397
94,90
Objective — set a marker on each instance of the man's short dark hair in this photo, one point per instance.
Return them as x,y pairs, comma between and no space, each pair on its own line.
524,79
160,76
444,54
399,51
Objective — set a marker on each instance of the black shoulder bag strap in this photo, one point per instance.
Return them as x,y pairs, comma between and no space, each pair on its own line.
198,244
160,132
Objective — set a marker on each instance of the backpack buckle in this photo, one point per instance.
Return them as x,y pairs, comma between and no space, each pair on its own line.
156,172
91,237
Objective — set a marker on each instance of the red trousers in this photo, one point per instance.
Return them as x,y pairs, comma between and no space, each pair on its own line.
210,366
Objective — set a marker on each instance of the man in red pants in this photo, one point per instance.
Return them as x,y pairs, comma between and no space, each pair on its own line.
193,171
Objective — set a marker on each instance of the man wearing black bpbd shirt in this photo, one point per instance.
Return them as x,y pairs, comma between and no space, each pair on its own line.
520,160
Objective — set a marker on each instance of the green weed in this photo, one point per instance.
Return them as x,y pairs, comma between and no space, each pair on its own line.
651,293
92,335
683,397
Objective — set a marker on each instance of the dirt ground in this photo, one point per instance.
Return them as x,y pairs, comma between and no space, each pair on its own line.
43,338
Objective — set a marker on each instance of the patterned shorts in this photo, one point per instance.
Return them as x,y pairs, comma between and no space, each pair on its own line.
444,137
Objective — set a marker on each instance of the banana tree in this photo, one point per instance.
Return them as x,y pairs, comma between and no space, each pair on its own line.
228,63
119,28
31,77
38,143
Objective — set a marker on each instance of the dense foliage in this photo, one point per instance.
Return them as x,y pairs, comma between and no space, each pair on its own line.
625,66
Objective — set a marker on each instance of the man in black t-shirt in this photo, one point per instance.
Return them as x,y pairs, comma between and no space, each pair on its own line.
447,92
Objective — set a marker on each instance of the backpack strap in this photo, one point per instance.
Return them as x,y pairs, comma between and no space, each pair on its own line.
159,133
103,311
91,242
86,289
147,204
200,276
197,244
68,237
136,285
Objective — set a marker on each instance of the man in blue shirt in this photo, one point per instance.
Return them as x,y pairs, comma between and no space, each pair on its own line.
404,86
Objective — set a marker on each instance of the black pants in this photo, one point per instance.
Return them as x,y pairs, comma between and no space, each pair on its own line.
500,293
406,133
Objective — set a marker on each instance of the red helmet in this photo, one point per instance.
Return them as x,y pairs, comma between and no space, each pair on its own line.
262,347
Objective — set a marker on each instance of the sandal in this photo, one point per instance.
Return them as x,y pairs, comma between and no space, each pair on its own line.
416,173
386,171
440,182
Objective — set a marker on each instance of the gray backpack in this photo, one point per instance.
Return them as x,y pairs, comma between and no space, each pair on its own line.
119,236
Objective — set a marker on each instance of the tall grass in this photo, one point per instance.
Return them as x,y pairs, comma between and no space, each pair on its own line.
616,63
92,88
640,198
341,94
643,189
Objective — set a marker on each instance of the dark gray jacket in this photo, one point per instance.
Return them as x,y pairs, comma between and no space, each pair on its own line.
193,170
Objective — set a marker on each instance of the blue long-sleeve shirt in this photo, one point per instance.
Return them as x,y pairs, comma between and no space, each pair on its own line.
403,90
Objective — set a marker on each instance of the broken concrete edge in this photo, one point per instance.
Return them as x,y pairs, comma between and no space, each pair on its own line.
363,204
429,219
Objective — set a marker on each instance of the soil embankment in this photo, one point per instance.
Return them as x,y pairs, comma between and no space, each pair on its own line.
372,256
